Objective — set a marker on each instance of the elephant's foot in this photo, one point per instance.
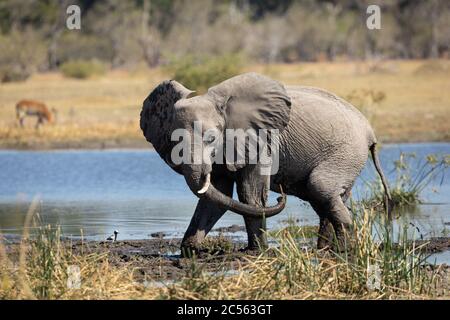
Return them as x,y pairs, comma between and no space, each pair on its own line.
256,234
333,237
255,245
188,251
342,241
205,247
326,235
251,251
191,245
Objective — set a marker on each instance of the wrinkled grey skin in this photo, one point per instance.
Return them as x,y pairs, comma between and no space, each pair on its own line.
324,144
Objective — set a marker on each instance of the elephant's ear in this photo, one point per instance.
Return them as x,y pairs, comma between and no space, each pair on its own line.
252,101
157,115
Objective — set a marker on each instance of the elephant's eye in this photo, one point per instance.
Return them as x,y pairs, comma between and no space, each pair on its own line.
210,139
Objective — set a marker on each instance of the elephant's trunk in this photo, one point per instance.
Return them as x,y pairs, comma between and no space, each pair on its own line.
209,192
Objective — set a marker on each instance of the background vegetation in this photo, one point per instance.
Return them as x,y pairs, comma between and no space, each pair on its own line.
403,103
125,33
97,77
82,69
200,72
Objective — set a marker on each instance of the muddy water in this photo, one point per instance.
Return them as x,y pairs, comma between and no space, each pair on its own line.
134,192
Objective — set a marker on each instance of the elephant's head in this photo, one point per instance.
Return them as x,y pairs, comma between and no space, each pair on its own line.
248,101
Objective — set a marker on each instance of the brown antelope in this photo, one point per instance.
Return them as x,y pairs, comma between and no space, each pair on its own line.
34,108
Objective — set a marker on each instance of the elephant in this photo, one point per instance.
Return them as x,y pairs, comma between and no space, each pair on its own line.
323,144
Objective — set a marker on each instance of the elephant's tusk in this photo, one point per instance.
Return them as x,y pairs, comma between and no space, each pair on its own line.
281,191
206,185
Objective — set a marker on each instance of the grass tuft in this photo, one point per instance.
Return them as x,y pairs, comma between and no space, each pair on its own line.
200,73
82,69
410,181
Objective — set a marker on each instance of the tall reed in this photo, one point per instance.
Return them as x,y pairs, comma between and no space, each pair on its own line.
411,180
373,265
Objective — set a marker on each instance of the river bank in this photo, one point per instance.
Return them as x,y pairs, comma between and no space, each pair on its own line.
153,268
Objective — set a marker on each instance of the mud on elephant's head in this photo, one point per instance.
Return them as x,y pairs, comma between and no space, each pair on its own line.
247,101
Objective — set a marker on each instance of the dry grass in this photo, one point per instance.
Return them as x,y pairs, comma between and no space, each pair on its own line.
416,105
369,269
373,267
98,112
39,270
104,111
100,135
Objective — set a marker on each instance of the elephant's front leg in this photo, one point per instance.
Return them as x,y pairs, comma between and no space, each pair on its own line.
253,189
206,215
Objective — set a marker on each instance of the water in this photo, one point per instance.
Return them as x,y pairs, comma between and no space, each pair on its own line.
135,192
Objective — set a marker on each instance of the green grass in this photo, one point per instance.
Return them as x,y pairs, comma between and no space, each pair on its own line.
200,73
296,231
410,181
82,69
217,245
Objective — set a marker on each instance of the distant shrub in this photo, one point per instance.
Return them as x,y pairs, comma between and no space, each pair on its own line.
82,69
200,73
366,100
21,54
382,67
13,73
80,46
433,67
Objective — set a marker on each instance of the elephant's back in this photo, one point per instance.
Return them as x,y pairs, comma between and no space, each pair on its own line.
322,127
326,112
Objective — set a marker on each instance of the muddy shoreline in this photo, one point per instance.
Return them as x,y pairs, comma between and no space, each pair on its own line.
160,260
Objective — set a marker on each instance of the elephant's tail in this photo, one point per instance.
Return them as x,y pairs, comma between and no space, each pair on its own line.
388,203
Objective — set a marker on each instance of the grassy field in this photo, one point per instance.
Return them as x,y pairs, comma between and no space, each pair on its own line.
103,112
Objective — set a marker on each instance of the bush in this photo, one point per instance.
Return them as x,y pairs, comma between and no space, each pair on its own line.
411,181
10,73
366,100
433,67
21,54
82,69
200,73
78,46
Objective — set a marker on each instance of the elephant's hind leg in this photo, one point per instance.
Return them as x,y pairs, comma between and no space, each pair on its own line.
326,197
326,234
326,230
206,215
